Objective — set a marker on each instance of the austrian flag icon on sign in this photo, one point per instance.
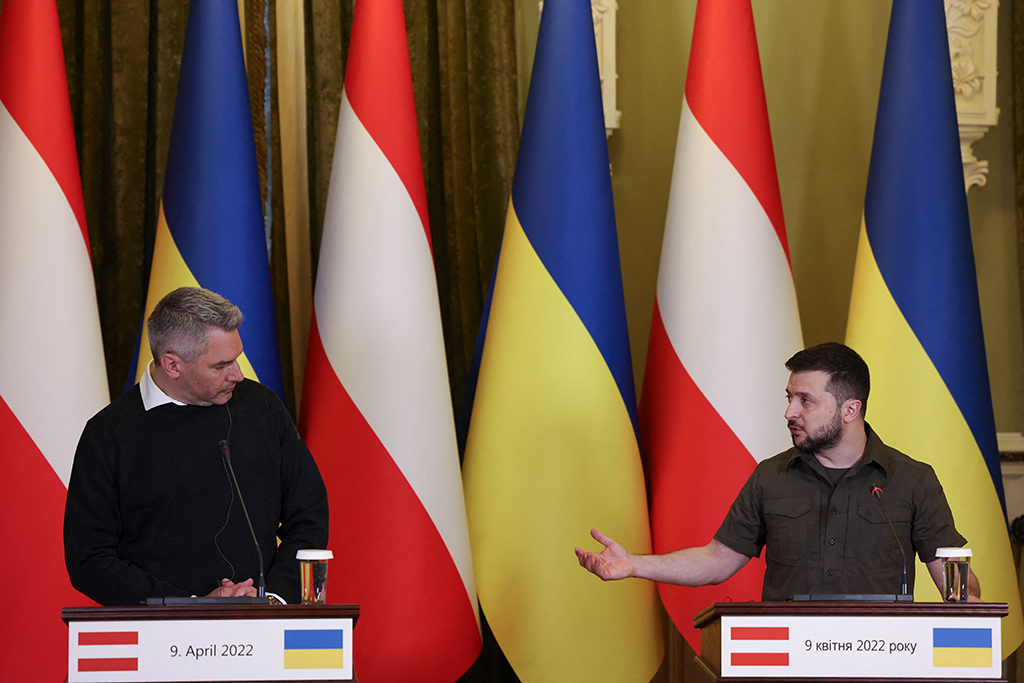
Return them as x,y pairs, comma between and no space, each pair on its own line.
108,651
759,645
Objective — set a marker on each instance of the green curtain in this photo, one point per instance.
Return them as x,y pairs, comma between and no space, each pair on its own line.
123,59
1015,663
1017,67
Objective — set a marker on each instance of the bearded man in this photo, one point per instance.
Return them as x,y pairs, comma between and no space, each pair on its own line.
811,508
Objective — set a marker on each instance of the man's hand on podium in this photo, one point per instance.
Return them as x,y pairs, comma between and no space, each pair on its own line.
611,564
228,589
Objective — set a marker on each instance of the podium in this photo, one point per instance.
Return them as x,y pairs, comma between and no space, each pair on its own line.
210,643
741,642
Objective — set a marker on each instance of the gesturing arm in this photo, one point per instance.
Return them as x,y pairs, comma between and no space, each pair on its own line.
709,564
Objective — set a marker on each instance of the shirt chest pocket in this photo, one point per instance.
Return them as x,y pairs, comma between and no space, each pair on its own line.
790,529
872,541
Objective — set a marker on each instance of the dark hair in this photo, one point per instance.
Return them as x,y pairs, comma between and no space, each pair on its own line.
848,373
180,321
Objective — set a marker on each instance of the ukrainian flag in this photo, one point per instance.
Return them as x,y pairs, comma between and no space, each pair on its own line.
967,647
210,230
552,446
914,312
314,649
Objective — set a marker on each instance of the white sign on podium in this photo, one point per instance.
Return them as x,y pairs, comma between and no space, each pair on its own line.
210,650
779,646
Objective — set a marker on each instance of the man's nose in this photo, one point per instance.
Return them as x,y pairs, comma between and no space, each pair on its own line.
235,373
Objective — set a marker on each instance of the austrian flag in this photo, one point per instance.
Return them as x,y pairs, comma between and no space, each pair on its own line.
108,651
759,645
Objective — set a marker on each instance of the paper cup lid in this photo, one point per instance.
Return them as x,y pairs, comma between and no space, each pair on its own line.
952,552
314,555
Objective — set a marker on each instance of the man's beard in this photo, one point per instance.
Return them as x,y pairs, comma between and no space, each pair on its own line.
825,440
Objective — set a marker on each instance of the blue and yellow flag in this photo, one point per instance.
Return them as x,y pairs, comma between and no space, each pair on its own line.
552,446
314,648
210,230
962,647
914,312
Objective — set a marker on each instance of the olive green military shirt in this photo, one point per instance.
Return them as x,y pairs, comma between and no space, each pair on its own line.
821,537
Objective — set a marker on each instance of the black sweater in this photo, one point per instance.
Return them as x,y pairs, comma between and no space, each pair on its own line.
151,511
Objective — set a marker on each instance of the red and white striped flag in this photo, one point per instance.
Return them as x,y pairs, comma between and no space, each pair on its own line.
107,651
376,408
52,374
759,645
725,319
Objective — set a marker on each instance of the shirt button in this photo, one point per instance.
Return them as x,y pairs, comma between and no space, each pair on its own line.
828,573
833,511
831,541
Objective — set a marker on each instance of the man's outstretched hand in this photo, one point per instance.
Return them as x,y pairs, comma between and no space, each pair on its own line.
611,564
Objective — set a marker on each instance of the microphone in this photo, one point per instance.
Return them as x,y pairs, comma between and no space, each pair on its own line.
876,491
261,588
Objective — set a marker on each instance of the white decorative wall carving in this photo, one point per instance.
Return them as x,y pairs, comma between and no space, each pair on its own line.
604,32
1013,473
603,12
971,25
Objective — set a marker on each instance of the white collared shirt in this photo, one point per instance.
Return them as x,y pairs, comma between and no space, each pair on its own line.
152,395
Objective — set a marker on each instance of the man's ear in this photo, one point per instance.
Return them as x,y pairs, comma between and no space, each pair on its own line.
171,365
851,409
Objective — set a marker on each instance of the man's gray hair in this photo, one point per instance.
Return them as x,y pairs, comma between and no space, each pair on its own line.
181,320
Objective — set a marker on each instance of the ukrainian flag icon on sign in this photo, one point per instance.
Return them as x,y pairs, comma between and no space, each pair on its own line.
314,649
967,647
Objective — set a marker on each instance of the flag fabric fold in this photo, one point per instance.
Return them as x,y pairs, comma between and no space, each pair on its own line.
52,372
552,445
210,230
376,408
914,312
725,317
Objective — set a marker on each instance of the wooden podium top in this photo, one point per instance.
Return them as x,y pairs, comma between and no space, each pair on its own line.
171,612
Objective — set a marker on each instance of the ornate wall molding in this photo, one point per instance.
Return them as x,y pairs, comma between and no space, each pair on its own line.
604,32
971,26
603,12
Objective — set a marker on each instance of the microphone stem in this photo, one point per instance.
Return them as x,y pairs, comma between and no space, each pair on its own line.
877,493
225,451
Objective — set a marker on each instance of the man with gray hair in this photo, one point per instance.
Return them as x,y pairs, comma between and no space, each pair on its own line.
151,508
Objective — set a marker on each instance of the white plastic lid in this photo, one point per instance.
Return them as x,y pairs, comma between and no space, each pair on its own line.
952,552
314,555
